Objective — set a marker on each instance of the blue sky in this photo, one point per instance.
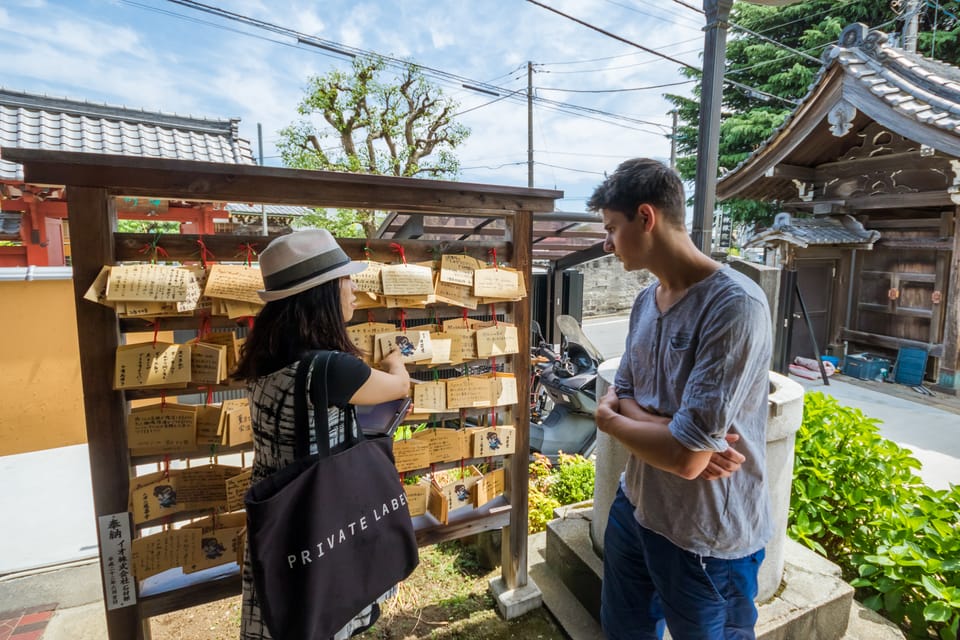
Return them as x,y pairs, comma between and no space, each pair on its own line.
160,56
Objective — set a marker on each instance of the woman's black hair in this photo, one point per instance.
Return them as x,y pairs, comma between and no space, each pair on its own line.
286,329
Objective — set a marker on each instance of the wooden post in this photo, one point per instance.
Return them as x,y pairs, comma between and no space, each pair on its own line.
949,377
93,221
514,560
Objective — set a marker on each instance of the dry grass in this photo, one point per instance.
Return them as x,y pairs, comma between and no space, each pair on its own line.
446,598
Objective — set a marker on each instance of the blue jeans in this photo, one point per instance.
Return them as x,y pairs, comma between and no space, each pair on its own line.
648,580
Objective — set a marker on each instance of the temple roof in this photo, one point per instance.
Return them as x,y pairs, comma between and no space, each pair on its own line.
30,121
864,79
804,232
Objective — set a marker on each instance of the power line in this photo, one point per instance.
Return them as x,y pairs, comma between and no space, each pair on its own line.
653,86
749,90
444,76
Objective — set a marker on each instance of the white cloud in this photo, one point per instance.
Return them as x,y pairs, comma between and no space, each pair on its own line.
121,54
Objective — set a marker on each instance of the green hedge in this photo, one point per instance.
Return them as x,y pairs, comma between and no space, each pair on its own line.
857,500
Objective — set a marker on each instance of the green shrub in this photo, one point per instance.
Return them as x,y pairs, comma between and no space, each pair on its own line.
574,479
857,500
551,486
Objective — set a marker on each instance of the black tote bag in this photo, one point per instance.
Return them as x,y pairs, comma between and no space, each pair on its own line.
331,532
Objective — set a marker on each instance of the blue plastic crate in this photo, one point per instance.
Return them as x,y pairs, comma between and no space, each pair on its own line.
910,367
865,366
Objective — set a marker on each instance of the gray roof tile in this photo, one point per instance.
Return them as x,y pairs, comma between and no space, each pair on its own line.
57,124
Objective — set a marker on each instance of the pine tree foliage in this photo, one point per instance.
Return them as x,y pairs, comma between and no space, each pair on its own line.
747,118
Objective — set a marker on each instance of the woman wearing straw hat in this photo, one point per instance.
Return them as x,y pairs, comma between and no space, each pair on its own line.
310,297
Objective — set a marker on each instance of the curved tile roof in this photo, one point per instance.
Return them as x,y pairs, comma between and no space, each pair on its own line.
59,124
912,86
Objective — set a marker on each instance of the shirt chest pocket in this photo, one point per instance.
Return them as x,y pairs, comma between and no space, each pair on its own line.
679,356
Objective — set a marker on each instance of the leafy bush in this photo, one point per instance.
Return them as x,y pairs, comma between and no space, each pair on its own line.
570,480
857,500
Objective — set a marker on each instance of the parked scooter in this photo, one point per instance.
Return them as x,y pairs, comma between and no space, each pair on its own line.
564,393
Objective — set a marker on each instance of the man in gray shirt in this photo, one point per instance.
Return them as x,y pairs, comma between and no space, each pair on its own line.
687,529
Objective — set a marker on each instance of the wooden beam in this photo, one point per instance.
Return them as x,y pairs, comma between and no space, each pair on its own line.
791,172
92,223
889,342
179,179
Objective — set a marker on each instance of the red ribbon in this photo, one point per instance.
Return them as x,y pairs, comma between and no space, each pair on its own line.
493,312
156,330
204,329
369,316
494,252
205,254
403,321
398,249
166,466
250,253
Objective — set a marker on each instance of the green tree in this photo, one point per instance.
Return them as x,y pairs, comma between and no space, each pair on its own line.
399,126
747,118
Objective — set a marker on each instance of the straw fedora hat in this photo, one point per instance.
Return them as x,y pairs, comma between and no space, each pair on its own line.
302,260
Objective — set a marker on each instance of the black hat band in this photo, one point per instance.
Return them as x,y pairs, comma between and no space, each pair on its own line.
305,270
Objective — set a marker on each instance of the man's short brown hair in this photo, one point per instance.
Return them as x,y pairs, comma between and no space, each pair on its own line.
638,181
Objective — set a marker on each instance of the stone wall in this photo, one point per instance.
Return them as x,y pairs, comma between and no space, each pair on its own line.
608,289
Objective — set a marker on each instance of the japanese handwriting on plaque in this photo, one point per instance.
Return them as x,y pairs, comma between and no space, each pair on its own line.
460,295
204,487
430,397
369,279
210,423
147,283
116,560
162,428
156,553
234,282
208,363
498,340
446,445
238,425
468,392
406,279
458,269
496,282
152,365
364,335
416,498
411,454
236,488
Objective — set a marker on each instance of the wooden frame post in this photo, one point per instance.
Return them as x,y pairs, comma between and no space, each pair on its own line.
93,220
948,379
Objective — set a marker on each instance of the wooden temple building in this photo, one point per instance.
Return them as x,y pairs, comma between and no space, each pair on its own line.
868,169
33,218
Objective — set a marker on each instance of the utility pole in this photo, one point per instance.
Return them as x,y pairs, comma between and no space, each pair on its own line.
529,124
263,211
673,142
911,25
715,53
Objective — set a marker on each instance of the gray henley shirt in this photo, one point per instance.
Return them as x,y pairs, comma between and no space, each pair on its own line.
704,364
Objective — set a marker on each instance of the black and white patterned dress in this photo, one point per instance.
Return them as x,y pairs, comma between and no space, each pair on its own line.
272,410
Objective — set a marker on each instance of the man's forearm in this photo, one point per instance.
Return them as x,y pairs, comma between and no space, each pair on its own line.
648,437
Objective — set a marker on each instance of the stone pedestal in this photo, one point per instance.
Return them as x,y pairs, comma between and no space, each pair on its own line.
786,414
611,458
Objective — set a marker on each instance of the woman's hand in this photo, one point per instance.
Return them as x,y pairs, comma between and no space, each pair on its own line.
392,362
725,464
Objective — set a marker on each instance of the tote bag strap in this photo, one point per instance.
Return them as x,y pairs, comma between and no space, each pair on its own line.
320,361
319,396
